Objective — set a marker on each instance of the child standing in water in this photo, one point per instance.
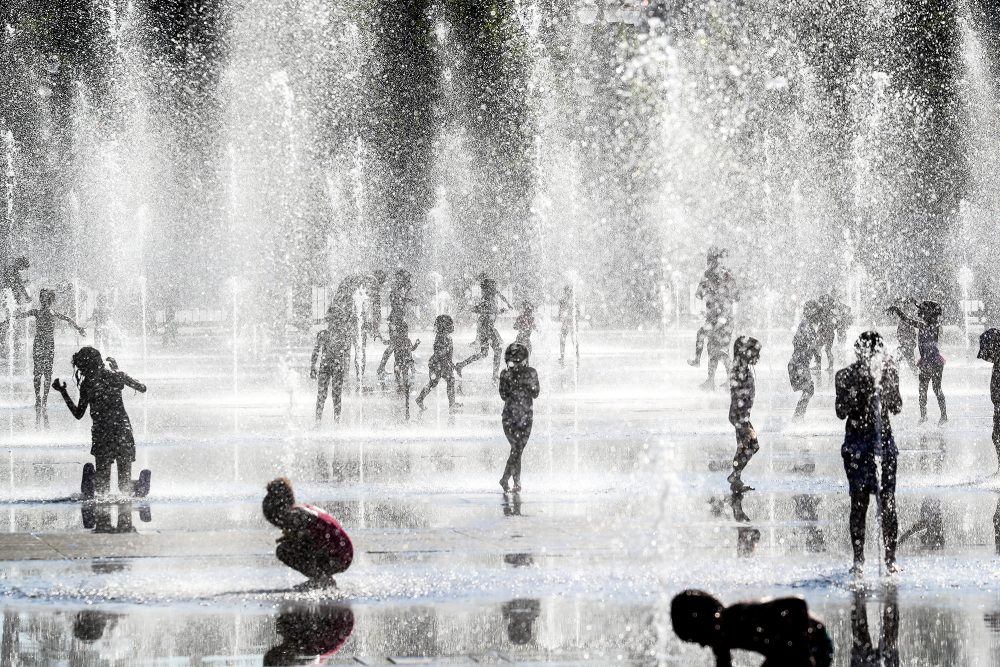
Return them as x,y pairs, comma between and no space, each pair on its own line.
525,324
742,389
518,389
803,349
111,432
312,542
441,365
568,321
931,363
330,352
402,359
989,350
43,351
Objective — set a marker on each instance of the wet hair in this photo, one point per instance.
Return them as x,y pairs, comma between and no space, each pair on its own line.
21,263
517,353
696,617
443,324
46,297
989,345
869,344
929,311
746,350
279,499
87,361
811,310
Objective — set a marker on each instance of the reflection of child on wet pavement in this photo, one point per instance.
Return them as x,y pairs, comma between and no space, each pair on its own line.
518,389
863,653
111,431
441,365
308,632
746,353
782,630
312,542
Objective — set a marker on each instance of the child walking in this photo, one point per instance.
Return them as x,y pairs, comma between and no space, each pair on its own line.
441,365
989,350
518,389
524,324
804,346
402,359
43,351
931,362
742,389
111,432
312,542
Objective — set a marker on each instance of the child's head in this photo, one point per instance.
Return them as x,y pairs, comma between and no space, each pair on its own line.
444,325
87,361
279,501
929,311
697,617
527,307
868,346
811,311
989,346
21,263
46,297
716,255
746,350
516,355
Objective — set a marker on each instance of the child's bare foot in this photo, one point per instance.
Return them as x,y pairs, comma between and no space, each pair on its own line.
503,485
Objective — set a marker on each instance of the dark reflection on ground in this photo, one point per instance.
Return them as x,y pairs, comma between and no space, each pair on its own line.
97,516
310,632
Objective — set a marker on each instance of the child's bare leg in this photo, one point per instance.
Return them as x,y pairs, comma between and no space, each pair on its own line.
102,474
323,382
125,485
38,388
46,383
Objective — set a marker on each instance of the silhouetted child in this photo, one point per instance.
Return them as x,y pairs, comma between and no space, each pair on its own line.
718,289
399,299
931,363
313,632
10,278
312,542
803,349
100,321
518,389
402,358
441,365
989,350
44,350
112,440
782,629
487,336
742,390
832,318
376,284
863,652
867,393
524,324
569,316
906,336
329,360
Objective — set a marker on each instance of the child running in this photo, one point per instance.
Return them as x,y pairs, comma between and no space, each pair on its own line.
43,351
518,389
742,389
111,431
441,365
803,349
487,335
524,324
312,542
402,359
931,363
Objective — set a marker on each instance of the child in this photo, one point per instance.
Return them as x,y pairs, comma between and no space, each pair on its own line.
803,349
931,363
568,319
867,392
525,324
100,320
718,289
10,278
906,336
782,630
487,335
402,359
111,432
312,542
330,351
518,388
441,365
399,300
746,353
989,350
43,352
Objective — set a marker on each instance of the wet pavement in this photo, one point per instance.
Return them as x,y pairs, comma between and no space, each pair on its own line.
624,504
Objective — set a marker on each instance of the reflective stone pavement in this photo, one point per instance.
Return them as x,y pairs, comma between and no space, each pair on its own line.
624,504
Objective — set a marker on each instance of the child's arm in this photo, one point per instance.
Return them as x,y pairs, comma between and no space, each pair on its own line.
415,345
76,410
21,314
534,388
912,321
132,382
504,299
65,318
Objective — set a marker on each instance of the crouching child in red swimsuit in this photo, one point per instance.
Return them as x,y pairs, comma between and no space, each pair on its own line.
312,542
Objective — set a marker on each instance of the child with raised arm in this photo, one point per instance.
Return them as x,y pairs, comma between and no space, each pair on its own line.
518,389
441,365
43,352
312,542
111,432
